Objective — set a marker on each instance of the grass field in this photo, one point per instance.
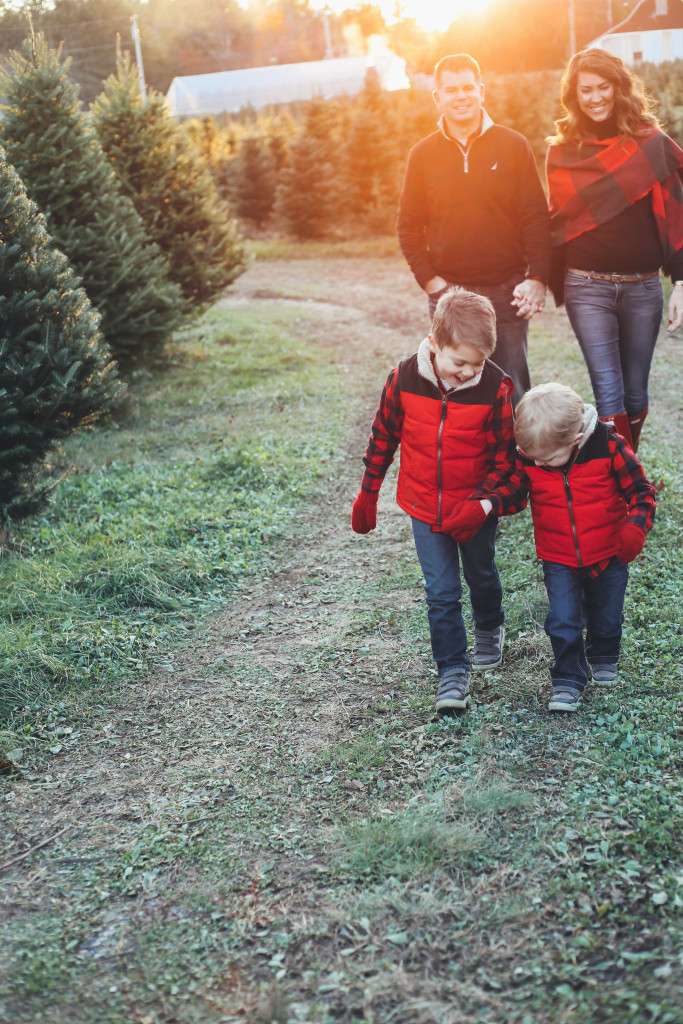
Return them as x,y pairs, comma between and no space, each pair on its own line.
226,796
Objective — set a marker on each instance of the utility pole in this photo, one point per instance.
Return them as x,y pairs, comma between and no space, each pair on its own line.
135,31
572,30
325,15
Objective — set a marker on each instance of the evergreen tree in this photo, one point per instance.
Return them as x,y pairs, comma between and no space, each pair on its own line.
56,372
172,191
279,150
52,144
372,170
254,181
309,195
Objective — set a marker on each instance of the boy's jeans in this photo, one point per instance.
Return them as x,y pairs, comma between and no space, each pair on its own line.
438,554
617,327
577,602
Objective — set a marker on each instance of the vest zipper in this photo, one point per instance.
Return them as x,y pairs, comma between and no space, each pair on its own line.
568,492
444,410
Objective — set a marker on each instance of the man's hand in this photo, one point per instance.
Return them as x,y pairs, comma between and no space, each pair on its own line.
529,297
435,284
364,512
676,307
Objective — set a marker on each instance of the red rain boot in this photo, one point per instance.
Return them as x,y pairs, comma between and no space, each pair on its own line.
621,423
636,425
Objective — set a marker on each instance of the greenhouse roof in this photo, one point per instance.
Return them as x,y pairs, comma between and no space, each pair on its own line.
231,91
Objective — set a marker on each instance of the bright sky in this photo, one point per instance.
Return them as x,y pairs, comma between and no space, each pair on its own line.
429,14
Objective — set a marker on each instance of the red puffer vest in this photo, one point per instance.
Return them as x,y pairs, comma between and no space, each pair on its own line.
577,512
443,452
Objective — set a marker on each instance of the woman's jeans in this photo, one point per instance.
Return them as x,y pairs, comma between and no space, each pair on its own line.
512,331
439,559
617,327
577,602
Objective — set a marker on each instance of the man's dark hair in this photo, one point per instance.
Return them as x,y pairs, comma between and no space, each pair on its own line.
456,62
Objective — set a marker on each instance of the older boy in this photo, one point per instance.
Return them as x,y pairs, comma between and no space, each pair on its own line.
592,508
449,408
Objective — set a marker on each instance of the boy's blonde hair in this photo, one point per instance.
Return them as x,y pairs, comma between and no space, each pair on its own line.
464,318
548,416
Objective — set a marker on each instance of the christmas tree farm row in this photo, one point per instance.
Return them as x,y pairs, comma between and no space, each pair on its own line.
111,235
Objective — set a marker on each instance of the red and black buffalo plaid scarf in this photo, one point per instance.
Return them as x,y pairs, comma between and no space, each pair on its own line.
591,183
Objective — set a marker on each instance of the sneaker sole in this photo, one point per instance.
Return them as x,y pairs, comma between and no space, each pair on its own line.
604,682
478,667
447,703
562,705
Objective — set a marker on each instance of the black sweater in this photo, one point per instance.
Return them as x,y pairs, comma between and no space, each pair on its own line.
475,216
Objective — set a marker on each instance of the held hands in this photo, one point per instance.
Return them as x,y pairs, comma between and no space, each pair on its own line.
364,512
467,521
630,542
529,297
676,307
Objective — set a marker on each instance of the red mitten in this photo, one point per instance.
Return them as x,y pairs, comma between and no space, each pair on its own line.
466,522
364,512
630,542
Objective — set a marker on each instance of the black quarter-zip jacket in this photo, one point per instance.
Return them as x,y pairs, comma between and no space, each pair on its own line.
474,215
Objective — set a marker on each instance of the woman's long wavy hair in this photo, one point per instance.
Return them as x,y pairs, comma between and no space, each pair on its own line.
631,104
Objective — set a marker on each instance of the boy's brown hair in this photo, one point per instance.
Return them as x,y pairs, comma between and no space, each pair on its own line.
548,416
464,318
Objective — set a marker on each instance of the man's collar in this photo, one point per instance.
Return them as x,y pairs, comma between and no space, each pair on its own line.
486,123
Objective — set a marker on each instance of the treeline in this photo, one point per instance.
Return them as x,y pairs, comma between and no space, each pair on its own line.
334,167
188,37
112,234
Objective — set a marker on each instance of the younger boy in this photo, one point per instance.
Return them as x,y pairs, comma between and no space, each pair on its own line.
449,408
592,508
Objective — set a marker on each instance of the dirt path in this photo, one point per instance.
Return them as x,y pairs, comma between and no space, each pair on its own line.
185,799
147,765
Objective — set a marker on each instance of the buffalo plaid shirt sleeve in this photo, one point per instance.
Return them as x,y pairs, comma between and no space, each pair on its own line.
500,445
634,485
512,492
385,436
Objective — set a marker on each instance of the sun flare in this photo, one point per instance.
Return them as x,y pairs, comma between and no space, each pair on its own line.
435,15
431,15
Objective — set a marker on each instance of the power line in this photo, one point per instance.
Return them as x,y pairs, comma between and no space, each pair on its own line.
122,19
89,49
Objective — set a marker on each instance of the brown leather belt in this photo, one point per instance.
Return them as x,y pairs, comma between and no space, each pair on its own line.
614,278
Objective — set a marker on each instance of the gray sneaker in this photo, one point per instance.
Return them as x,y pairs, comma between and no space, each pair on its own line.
604,675
454,690
488,648
565,698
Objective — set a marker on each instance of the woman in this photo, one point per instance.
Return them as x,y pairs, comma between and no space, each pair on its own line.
616,205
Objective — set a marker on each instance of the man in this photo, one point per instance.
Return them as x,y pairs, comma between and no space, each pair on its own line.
473,213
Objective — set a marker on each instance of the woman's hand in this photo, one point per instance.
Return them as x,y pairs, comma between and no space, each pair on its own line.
529,297
676,307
